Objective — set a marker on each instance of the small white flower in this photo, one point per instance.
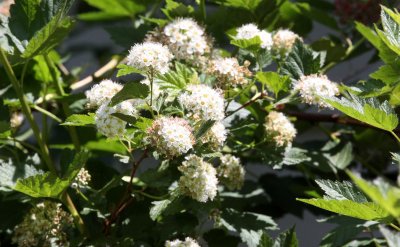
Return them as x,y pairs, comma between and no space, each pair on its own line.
249,31
216,136
171,136
102,92
189,242
279,129
228,71
109,125
82,179
314,88
198,180
204,102
150,56
266,40
283,41
231,172
186,39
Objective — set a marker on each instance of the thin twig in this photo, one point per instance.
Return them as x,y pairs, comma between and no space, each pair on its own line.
112,64
126,198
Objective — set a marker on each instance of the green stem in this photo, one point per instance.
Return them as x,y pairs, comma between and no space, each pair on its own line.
203,9
47,113
60,91
74,213
394,134
27,111
395,227
150,196
45,154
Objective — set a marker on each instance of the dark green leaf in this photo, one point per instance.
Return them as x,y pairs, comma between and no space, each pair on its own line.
204,127
131,90
341,190
302,61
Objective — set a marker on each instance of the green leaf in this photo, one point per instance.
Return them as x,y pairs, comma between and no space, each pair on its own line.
5,129
392,238
204,127
249,226
364,211
10,173
112,9
369,34
250,5
287,239
80,120
127,70
391,27
369,111
381,192
274,82
174,9
42,71
42,185
48,184
48,37
253,44
341,190
302,61
131,90
158,208
389,74
347,230
177,80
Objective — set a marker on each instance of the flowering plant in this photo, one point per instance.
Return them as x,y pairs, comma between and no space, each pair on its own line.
200,132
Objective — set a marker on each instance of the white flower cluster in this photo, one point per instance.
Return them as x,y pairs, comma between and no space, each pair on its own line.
44,225
231,172
228,71
150,56
283,41
314,88
279,129
82,179
204,102
109,125
198,180
216,136
171,136
189,242
249,31
102,92
186,39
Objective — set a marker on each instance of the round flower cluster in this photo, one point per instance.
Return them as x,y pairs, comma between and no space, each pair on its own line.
228,70
283,41
314,88
82,179
189,242
231,172
150,57
215,136
109,125
171,136
101,93
279,129
186,39
198,180
249,31
204,102
44,225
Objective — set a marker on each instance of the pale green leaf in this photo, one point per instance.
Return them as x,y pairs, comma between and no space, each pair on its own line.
341,190
364,211
369,111
80,120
